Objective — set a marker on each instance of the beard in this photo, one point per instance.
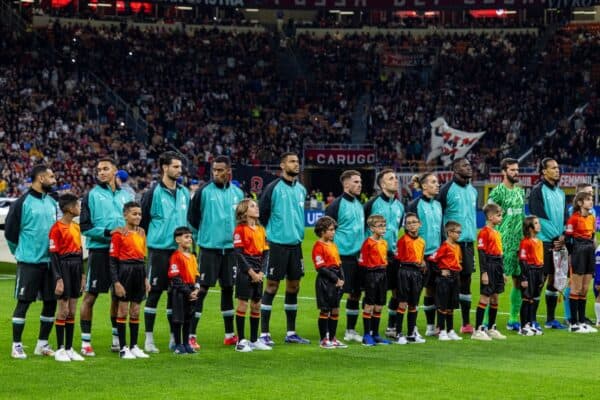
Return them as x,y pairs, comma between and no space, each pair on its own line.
512,179
47,188
292,173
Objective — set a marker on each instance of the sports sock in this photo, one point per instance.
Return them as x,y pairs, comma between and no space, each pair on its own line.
551,300
581,310
47,319
121,331
573,305
524,314
351,314
534,309
254,321
69,332
113,323
323,324
150,310
400,320
291,310
515,304
177,333
265,311
429,307
198,306
450,320
240,321
486,316
465,308
412,321
392,312
375,320
332,326
227,308
367,323
18,320
134,327
479,314
185,332
86,330
493,314
441,320
60,333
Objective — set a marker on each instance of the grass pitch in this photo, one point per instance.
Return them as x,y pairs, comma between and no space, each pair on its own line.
557,365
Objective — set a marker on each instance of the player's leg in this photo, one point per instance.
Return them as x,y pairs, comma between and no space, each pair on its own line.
576,282
134,323
332,324
429,305
207,265
70,323
294,271
227,275
274,274
46,287
513,270
122,311
585,285
61,319
240,317
468,267
157,269
392,279
255,318
381,286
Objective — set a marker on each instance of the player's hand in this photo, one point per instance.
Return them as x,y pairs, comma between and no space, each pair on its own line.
148,287
339,283
194,295
445,272
60,287
524,284
119,289
82,284
559,244
484,278
260,275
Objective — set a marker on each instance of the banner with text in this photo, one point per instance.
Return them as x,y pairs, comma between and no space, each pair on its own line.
340,157
567,180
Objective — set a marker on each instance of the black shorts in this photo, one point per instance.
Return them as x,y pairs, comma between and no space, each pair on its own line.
133,278
217,265
392,272
583,258
158,268
431,273
183,308
328,295
375,283
446,291
285,262
410,284
245,289
352,275
98,274
535,282
33,282
495,274
548,259
468,258
72,270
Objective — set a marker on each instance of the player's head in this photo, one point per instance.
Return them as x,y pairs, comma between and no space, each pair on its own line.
106,170
549,170
290,164
462,168
453,230
132,212
387,181
428,183
42,178
376,223
221,170
583,200
412,223
325,224
584,187
183,237
510,169
351,182
246,209
69,203
493,213
171,165
531,226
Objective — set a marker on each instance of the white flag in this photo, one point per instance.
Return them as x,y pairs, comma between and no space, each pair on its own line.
450,143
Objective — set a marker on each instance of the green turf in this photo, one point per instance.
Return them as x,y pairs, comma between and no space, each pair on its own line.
557,365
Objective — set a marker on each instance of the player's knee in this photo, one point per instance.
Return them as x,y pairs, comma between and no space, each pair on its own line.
21,309
153,298
292,286
49,308
272,287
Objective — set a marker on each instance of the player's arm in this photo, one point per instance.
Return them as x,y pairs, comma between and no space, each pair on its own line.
12,224
265,201
146,203
442,196
368,209
333,209
194,215
536,202
86,224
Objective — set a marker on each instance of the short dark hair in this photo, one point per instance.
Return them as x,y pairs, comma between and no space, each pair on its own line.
451,225
287,154
491,209
37,171
323,224
506,162
167,158
222,159
107,159
129,205
383,173
582,185
347,174
180,231
544,164
67,200
411,214
528,225
458,160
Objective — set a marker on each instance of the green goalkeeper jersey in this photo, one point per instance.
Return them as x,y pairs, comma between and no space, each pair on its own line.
512,202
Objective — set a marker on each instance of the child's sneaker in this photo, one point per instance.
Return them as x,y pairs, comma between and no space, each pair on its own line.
326,344
87,350
443,336
480,334
43,350
125,354
266,339
352,335
179,350
18,352
379,340
431,331
590,328
537,328
74,356
260,345
194,343
138,353
368,340
527,331
243,346
401,339
575,328
189,349
61,355
453,336
495,333
418,339
151,348
468,328
338,345
390,332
